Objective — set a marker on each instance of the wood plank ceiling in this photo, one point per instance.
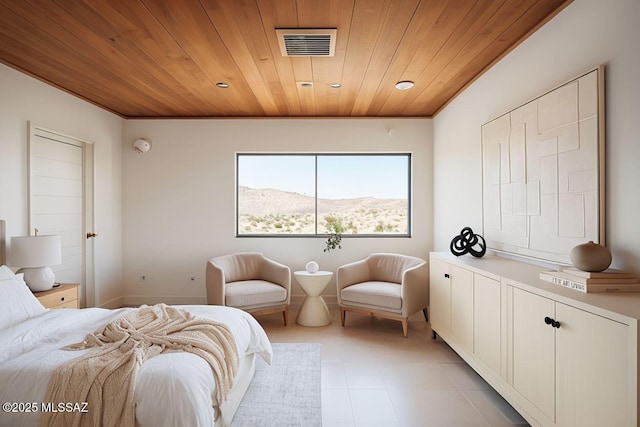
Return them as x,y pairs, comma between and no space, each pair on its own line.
163,58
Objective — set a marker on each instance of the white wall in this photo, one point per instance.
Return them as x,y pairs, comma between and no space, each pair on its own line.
587,33
24,99
176,207
179,198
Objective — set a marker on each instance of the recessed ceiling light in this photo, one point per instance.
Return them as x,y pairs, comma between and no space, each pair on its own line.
222,85
305,84
404,85
336,85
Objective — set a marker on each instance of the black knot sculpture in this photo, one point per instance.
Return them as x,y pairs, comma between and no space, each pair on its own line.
468,242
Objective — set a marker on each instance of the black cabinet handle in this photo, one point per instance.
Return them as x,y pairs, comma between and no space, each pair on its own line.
549,321
446,275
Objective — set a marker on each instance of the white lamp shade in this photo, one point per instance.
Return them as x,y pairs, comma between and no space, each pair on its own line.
36,251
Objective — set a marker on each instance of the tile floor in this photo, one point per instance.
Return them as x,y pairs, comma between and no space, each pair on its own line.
373,376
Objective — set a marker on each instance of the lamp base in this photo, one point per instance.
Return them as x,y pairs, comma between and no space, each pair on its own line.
38,279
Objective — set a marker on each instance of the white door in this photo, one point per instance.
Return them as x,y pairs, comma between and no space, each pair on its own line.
462,306
533,350
593,363
61,203
486,321
440,296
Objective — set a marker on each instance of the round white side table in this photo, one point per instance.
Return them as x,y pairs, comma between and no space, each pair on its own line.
314,311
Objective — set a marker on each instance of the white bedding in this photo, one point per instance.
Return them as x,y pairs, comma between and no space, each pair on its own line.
171,389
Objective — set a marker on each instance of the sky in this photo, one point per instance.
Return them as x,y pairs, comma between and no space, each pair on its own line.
339,176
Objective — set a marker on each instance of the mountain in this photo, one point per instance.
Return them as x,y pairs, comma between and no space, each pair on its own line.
268,211
263,201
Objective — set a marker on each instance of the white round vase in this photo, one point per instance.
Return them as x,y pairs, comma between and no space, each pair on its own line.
590,257
312,267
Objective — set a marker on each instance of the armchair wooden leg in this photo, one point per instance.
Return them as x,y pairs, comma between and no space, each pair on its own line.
426,316
285,315
405,327
342,316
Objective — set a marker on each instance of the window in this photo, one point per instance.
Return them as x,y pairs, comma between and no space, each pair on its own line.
311,194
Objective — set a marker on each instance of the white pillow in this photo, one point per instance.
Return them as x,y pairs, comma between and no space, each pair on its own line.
17,303
6,273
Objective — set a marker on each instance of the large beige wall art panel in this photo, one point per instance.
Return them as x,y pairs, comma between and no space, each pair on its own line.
543,172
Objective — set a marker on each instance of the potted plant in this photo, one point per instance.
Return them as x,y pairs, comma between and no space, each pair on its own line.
333,242
335,228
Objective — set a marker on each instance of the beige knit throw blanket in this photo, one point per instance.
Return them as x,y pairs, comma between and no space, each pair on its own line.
105,376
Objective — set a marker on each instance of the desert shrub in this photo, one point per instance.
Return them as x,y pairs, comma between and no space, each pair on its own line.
335,227
381,227
335,224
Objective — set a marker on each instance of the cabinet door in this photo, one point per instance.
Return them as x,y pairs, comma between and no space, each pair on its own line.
593,370
462,306
487,321
440,295
533,350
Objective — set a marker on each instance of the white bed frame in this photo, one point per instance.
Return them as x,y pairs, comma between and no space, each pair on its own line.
241,382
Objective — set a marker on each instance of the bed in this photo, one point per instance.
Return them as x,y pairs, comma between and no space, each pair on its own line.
171,389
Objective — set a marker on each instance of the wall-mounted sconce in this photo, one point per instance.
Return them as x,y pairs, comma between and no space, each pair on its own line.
141,146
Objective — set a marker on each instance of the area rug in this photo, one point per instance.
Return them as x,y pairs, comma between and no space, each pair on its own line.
287,393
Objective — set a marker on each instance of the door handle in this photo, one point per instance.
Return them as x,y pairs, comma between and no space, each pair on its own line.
90,235
553,322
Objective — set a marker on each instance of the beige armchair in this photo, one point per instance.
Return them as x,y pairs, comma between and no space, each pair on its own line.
251,282
389,286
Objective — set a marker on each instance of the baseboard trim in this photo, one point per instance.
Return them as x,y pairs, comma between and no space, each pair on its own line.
114,303
138,300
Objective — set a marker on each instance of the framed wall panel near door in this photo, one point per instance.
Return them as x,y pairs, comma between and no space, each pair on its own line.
61,179
2,243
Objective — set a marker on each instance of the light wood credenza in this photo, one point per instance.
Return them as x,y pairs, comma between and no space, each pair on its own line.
560,357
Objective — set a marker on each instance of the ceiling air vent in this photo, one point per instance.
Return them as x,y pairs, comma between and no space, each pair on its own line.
306,41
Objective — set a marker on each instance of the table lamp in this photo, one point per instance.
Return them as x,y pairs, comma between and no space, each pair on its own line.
35,254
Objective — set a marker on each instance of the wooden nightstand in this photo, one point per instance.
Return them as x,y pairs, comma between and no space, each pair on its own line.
64,296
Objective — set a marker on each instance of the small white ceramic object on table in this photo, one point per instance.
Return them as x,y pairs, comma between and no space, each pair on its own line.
312,267
314,311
